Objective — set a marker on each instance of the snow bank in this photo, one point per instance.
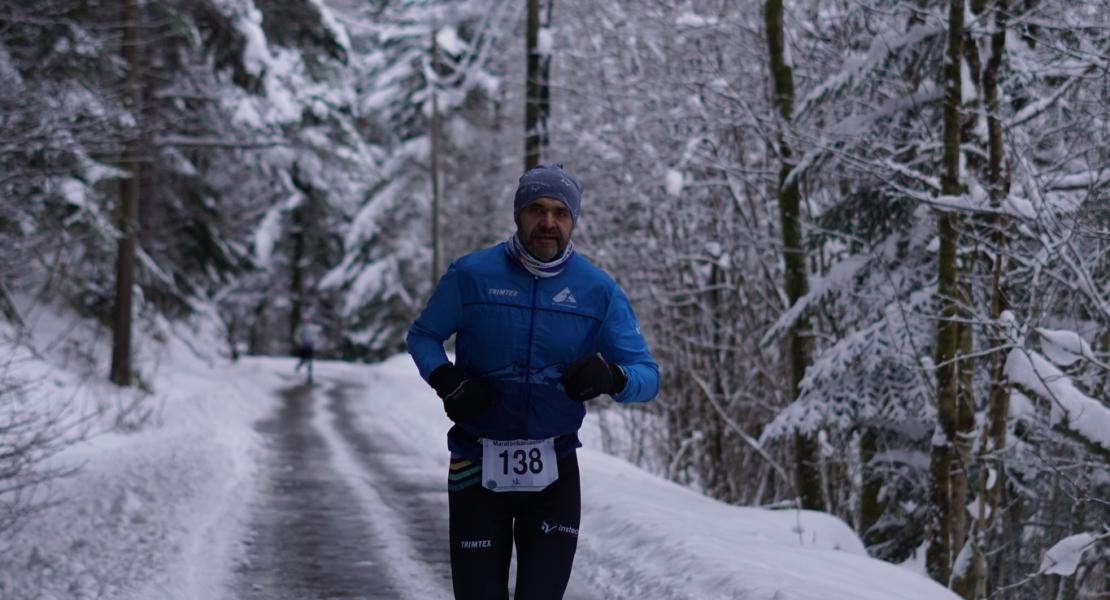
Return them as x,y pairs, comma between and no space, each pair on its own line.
152,514
151,510
700,548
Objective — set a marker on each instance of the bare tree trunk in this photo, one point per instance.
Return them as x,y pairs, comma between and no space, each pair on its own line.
962,580
537,104
808,474
994,442
938,558
128,207
255,344
870,505
962,463
961,456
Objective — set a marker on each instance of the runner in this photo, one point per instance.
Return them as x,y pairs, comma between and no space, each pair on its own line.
305,339
540,330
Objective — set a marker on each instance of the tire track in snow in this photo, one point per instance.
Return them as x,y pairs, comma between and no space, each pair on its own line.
348,512
410,508
420,501
309,535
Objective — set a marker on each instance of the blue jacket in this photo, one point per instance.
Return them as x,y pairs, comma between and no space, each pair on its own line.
519,333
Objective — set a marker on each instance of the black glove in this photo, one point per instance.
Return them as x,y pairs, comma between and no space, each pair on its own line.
591,376
463,397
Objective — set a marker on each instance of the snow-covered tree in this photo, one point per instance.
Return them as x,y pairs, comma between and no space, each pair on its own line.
871,122
671,145
383,277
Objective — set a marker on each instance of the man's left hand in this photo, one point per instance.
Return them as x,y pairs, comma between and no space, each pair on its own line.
591,376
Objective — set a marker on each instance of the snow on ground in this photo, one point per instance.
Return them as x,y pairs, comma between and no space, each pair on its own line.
152,514
161,474
160,513
682,544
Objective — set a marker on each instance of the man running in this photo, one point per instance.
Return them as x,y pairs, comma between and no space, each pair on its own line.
305,339
540,330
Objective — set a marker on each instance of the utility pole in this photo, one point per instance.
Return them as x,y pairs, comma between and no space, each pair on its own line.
128,220
433,82
537,103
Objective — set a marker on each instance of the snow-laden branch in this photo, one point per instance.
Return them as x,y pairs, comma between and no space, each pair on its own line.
851,127
465,71
185,141
1079,181
840,274
858,68
979,203
1065,348
1064,557
1079,413
890,337
931,181
330,23
1035,108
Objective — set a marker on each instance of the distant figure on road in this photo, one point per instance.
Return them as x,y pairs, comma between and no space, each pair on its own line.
305,339
540,330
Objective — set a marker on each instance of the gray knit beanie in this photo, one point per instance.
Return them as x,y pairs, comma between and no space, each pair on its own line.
548,180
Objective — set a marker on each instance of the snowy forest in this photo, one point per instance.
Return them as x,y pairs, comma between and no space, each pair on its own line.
868,240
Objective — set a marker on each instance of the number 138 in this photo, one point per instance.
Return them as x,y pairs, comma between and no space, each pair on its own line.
522,462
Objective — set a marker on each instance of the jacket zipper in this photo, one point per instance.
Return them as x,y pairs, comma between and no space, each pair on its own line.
528,360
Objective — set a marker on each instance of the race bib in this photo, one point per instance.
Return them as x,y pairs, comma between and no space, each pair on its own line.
518,465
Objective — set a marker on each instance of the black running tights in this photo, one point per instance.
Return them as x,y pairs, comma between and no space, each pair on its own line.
544,525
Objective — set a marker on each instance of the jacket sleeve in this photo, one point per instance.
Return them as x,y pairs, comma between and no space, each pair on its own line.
623,344
438,321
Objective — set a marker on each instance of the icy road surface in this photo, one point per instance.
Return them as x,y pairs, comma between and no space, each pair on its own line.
344,511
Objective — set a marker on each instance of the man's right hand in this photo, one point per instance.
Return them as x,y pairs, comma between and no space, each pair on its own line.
463,397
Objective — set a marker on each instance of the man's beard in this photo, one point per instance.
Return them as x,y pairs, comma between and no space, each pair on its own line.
537,251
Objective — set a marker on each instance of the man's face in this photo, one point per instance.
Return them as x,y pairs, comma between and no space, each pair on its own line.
544,227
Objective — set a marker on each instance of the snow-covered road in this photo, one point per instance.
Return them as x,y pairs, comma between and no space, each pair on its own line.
250,485
344,509
309,535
